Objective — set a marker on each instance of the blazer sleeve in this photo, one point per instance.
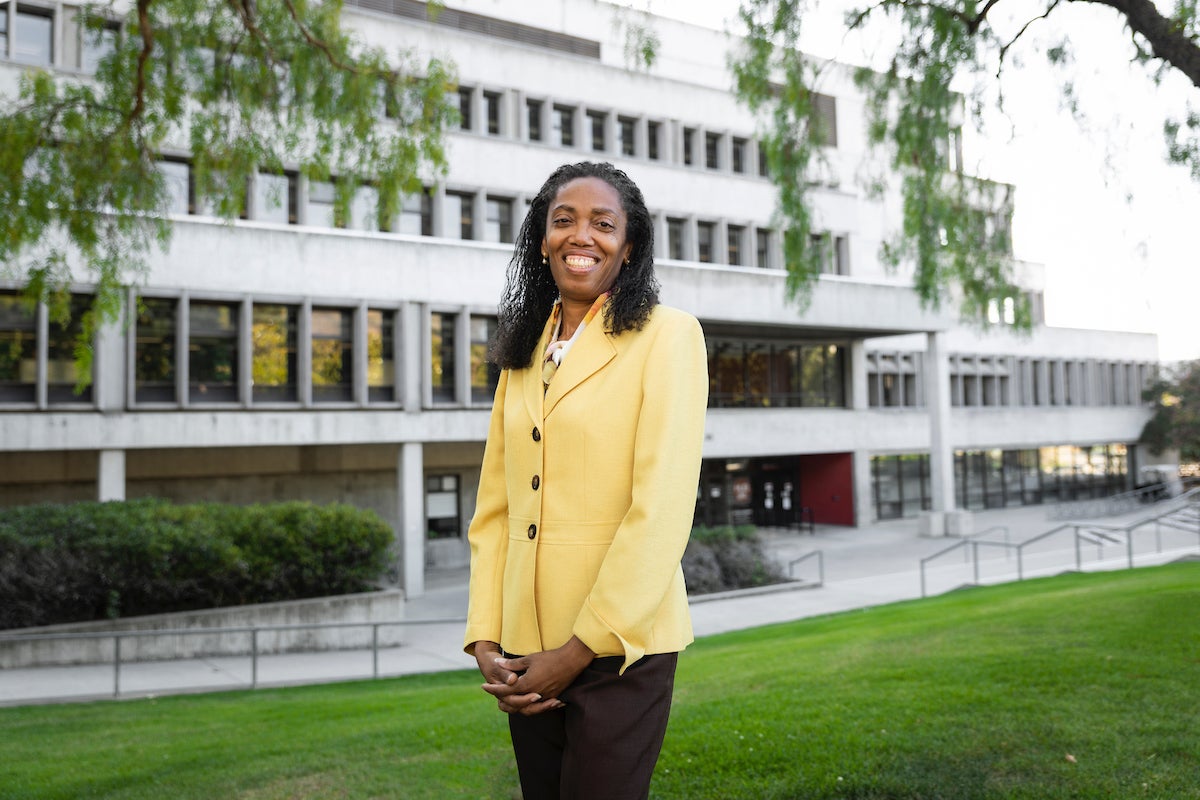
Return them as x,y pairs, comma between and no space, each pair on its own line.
488,533
644,557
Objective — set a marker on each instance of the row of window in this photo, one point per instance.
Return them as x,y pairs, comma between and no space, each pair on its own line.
1001,478
896,380
511,114
29,35
480,215
198,352
751,374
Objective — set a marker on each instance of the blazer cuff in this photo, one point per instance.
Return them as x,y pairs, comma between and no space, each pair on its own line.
602,639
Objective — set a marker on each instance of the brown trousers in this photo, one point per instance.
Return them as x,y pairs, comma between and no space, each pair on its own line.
605,742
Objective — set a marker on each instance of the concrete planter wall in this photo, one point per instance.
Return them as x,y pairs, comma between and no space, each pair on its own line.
383,606
451,553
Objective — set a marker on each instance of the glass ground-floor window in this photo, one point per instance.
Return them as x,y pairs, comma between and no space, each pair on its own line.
18,349
273,352
441,506
154,353
212,352
900,485
997,478
332,354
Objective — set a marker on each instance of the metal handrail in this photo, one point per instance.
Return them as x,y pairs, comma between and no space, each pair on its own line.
1183,516
820,556
967,544
253,630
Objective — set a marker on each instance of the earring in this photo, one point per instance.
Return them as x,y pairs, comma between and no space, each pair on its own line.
545,261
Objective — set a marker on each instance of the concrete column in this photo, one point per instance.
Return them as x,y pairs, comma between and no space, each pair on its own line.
661,241
358,354
863,496
437,207
110,475
108,369
720,243
641,138
857,376
411,346
410,516
462,357
941,455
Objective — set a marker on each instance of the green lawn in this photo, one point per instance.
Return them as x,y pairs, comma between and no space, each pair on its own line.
1079,686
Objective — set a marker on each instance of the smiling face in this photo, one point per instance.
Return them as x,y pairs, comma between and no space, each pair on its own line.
585,240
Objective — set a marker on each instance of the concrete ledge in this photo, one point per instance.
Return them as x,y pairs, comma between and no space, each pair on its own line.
382,606
771,588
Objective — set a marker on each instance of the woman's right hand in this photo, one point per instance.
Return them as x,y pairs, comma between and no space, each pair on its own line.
500,683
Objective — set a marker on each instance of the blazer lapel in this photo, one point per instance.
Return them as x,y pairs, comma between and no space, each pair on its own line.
591,352
533,385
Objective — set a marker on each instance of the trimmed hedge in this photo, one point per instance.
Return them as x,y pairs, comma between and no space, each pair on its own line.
89,561
727,557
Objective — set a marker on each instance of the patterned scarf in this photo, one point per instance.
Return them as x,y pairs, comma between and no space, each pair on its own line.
557,349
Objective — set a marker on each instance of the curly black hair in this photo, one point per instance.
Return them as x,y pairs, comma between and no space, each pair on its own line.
529,288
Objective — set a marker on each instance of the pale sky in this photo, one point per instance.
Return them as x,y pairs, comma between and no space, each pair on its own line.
1115,226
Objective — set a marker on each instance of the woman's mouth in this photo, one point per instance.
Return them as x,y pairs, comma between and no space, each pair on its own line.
582,263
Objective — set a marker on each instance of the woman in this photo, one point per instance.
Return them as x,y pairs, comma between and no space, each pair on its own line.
577,607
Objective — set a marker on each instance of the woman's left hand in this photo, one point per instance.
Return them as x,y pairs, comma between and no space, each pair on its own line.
546,675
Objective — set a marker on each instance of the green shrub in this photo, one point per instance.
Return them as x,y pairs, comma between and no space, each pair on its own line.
87,561
727,557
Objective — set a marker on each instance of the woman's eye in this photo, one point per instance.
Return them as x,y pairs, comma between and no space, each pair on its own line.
605,224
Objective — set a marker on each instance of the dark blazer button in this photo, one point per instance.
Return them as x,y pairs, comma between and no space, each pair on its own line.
532,531
536,482
537,435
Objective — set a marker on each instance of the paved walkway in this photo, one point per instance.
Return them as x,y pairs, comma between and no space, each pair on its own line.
863,567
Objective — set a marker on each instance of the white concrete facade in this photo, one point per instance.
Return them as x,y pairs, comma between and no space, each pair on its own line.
404,437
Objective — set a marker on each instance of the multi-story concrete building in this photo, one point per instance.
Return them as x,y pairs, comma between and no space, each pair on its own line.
280,357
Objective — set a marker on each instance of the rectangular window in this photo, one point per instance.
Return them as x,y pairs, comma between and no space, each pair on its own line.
95,45
712,150
627,130
416,215
441,330
273,353
366,211
738,150
465,96
597,121
381,356
460,215
441,506
34,39
825,112
484,375
332,355
276,198
764,166
4,30
177,176
564,125
61,373
491,109
736,246
675,237
18,346
319,205
705,231
689,136
841,254
533,109
653,134
154,351
212,352
498,227
762,248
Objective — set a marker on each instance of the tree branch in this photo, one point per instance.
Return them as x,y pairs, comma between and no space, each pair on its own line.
139,85
1004,49
1167,40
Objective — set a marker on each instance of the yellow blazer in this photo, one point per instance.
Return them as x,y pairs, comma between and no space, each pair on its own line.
587,493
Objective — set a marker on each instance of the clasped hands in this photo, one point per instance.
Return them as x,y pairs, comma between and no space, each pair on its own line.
531,684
